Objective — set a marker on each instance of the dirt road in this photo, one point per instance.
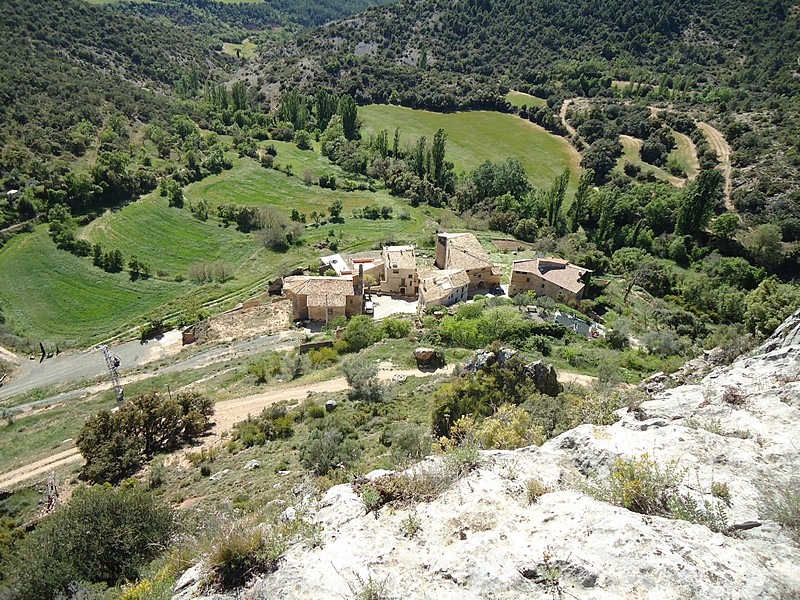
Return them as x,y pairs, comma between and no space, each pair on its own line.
563,114
723,150
230,412
40,468
226,415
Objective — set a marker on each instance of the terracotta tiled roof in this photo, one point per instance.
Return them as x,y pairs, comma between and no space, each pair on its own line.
440,284
400,257
321,291
464,251
554,270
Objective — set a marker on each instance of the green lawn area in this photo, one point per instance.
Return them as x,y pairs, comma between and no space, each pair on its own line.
523,99
249,183
52,295
247,49
475,137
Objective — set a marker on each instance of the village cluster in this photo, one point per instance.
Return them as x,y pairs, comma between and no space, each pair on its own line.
461,268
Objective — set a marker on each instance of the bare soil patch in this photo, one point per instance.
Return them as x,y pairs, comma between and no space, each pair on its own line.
265,319
511,245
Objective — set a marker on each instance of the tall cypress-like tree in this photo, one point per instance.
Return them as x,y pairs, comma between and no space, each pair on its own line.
577,211
438,152
697,203
419,157
349,113
326,104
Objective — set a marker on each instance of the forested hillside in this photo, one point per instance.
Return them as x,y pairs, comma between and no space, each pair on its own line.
729,62
67,65
684,45
249,15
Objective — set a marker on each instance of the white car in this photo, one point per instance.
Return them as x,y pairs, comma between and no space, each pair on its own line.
369,307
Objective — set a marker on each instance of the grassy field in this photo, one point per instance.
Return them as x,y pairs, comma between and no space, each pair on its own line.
247,49
630,154
148,227
523,99
475,137
685,154
52,295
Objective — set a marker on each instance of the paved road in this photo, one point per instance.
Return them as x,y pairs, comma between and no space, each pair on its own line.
90,363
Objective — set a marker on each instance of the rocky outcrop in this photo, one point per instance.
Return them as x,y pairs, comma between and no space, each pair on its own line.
483,538
786,336
538,374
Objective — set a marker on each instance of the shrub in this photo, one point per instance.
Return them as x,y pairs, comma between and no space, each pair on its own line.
315,411
327,449
322,357
463,459
535,489
640,485
782,505
244,551
129,527
395,328
407,441
114,444
509,428
411,525
371,498
364,383
361,332
721,491
733,397
294,365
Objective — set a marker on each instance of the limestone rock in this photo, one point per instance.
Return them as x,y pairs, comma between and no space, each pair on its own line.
482,538
252,464
785,336
539,374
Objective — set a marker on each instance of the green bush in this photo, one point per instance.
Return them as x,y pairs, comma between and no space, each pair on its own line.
640,485
115,444
364,383
361,332
326,449
104,535
243,551
322,357
395,328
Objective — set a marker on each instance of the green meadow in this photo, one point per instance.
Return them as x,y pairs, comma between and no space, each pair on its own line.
52,295
523,99
475,137
49,294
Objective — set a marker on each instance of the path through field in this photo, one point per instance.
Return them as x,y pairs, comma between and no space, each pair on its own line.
563,114
723,150
40,468
230,412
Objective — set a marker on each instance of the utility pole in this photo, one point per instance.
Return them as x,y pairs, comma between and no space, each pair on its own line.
113,362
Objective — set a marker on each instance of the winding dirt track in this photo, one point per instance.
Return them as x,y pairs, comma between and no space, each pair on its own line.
229,412
40,467
723,150
226,414
563,114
